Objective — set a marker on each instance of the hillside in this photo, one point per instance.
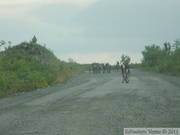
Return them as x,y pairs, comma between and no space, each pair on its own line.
29,66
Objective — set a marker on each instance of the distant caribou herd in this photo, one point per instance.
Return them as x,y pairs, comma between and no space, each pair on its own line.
97,68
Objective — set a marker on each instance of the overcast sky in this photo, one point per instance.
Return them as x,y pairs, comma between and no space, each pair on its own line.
91,30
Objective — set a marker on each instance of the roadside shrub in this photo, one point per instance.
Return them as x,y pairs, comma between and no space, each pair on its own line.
29,66
164,60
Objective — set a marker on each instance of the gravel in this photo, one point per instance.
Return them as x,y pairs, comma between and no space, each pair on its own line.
96,104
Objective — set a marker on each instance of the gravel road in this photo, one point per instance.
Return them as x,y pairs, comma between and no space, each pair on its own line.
94,105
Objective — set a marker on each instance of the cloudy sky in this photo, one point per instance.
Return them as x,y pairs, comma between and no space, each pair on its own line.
91,30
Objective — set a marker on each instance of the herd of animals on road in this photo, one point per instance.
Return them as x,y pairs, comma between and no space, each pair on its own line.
97,68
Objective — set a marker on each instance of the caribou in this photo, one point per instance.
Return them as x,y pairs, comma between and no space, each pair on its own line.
117,66
125,73
100,68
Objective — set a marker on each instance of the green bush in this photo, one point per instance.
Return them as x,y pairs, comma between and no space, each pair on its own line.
163,60
29,66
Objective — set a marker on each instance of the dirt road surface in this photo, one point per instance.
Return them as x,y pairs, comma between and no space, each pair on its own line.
94,105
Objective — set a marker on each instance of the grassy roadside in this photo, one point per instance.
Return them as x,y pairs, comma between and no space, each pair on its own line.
29,66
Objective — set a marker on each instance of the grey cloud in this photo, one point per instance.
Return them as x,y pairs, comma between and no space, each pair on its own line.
56,14
107,26
127,18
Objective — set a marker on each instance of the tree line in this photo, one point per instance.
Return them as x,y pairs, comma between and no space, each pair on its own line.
164,59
